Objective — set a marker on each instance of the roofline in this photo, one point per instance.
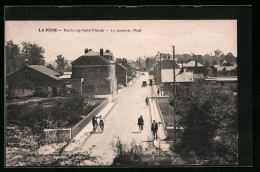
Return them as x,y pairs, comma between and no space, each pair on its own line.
16,71
32,69
45,74
121,66
102,58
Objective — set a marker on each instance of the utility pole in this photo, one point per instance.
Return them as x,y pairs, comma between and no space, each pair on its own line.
174,97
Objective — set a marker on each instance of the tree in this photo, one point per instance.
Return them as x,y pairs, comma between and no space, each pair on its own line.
61,63
50,66
230,58
33,53
217,53
207,64
208,115
68,68
14,60
147,62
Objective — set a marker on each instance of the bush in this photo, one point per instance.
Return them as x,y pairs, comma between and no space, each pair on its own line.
133,155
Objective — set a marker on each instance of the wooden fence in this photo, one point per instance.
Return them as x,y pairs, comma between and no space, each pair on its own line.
70,133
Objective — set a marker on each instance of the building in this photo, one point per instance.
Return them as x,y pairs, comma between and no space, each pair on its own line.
121,74
182,77
130,69
224,69
193,65
230,81
164,64
96,70
70,86
33,80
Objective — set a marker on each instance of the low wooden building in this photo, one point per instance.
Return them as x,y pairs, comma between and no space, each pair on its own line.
33,80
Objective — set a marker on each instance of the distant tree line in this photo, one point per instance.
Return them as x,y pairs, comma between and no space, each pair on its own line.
207,60
29,53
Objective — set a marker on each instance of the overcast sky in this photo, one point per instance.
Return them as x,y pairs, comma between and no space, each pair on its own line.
188,36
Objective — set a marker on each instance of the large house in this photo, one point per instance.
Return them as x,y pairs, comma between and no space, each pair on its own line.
32,80
96,71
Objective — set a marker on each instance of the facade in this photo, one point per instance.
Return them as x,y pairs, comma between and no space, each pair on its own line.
130,69
70,86
182,77
33,80
96,72
121,74
164,64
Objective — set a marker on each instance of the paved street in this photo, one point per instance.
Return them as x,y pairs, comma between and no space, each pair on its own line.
121,123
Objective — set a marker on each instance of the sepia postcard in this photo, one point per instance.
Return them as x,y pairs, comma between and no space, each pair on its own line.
121,93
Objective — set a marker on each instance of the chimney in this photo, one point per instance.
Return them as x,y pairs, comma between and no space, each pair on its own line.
86,50
181,64
101,52
196,63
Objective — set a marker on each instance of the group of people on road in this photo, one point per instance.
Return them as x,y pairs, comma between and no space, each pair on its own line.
95,123
154,126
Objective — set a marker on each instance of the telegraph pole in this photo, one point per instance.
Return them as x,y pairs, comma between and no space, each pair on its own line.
174,97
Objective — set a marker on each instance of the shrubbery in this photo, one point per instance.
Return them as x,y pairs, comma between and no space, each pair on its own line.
208,114
134,155
33,118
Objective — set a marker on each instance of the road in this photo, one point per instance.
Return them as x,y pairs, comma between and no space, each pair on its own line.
121,123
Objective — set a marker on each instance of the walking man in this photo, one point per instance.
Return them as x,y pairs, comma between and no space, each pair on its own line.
158,92
94,123
140,122
154,129
147,101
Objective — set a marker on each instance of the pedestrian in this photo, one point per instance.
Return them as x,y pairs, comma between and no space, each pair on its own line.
154,129
101,124
158,92
147,101
94,122
140,122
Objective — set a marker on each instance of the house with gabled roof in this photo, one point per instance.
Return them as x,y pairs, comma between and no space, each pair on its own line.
224,69
195,67
97,72
33,80
130,69
121,74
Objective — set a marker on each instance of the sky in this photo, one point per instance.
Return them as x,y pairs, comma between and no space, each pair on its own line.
188,36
